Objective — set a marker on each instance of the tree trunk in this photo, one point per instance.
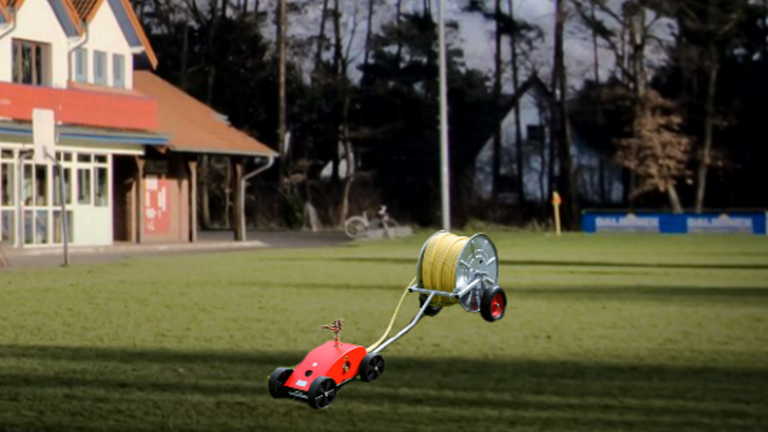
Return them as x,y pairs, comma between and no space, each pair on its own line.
184,59
349,155
705,158
205,194
228,194
321,37
497,116
518,121
674,200
369,31
595,52
398,19
282,23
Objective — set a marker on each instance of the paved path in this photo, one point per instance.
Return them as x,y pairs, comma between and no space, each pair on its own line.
208,241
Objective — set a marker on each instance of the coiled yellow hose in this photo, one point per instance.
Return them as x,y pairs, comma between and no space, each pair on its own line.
438,272
438,266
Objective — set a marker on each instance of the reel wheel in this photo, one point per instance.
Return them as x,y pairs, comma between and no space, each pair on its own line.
494,304
431,310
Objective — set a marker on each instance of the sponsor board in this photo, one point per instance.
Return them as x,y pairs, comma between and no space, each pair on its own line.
628,223
755,222
720,224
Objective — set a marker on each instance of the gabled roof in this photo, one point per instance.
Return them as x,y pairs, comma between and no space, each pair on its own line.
193,126
77,12
4,16
63,10
86,10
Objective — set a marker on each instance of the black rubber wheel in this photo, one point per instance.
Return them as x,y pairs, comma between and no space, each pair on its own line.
371,367
321,392
277,380
431,310
494,304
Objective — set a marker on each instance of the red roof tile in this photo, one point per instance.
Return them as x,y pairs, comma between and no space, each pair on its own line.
193,126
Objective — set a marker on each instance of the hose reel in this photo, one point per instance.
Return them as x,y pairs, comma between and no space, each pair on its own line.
458,269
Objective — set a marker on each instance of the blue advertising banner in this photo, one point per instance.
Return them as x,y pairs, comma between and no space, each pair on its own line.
686,223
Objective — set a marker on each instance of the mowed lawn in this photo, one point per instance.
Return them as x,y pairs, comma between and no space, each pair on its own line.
603,333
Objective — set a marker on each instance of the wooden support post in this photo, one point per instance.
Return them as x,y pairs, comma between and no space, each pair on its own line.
237,170
192,164
139,201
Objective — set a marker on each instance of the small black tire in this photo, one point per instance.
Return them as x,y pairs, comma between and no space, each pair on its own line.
371,367
277,381
321,392
431,310
493,304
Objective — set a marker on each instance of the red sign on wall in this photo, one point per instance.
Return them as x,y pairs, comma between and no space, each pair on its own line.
157,217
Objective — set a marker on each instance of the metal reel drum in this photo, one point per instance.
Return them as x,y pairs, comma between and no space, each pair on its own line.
478,260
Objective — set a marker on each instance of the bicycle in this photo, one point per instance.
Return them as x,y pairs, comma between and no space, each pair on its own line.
357,226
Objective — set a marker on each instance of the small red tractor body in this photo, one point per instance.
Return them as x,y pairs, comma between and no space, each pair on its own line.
340,363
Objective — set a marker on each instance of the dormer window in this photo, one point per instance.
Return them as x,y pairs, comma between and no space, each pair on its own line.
100,68
118,71
81,65
31,62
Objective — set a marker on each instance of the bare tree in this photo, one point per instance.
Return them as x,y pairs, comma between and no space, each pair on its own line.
515,66
498,118
658,152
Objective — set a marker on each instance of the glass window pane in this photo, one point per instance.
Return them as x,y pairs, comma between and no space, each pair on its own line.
41,185
38,68
58,228
41,227
84,157
102,187
27,186
26,63
6,154
7,226
81,65
118,71
16,62
28,228
101,158
100,67
8,186
67,186
84,186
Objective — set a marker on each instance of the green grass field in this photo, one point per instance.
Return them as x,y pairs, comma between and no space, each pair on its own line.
603,333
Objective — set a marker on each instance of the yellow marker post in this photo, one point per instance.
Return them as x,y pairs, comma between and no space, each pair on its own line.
556,201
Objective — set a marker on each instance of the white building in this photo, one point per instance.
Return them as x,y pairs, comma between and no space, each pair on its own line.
536,103
76,59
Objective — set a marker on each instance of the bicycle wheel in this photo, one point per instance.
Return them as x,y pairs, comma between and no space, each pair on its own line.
390,228
355,227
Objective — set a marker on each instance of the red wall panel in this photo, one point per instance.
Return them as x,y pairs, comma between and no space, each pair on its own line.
79,107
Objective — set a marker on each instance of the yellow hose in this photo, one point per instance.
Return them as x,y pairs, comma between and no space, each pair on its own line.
438,272
394,316
438,266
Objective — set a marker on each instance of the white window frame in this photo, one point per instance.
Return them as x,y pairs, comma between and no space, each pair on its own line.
100,79
118,71
80,65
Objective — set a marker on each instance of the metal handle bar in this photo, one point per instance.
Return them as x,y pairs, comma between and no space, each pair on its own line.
408,328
